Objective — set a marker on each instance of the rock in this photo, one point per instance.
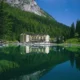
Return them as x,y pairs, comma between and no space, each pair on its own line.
27,5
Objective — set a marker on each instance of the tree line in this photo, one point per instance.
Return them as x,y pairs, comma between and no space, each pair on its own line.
75,30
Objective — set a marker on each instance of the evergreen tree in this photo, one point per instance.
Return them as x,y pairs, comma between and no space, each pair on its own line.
78,27
5,23
72,31
1,19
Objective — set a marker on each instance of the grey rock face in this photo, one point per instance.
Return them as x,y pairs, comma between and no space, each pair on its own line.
26,5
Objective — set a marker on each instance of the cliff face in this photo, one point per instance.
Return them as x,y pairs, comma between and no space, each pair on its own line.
27,5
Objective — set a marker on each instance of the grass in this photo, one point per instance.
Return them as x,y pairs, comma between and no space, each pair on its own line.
73,40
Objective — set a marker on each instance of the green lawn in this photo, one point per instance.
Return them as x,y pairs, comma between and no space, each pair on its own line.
73,40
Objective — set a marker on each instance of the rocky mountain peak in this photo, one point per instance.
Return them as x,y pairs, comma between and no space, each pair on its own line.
26,5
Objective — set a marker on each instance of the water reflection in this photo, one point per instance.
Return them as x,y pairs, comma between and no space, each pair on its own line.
15,64
42,49
37,49
58,49
34,76
27,49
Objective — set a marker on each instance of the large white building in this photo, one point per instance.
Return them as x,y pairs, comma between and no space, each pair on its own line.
34,38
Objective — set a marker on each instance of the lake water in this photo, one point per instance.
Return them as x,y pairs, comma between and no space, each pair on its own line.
39,63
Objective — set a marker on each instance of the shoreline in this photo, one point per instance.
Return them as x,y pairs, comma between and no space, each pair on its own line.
39,44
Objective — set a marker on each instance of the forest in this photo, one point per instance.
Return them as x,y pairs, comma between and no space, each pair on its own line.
14,21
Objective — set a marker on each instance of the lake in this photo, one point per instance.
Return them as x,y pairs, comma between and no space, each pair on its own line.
39,63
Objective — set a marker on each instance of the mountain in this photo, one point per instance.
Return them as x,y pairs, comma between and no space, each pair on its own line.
14,21
27,5
30,6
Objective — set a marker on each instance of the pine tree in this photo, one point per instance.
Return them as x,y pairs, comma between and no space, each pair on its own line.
1,20
78,27
5,23
72,31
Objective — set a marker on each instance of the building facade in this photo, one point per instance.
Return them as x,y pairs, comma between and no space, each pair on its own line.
34,38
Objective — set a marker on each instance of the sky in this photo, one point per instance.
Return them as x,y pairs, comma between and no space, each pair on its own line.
64,11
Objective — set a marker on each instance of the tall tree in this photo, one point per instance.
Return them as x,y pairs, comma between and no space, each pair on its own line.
1,19
78,27
5,22
72,31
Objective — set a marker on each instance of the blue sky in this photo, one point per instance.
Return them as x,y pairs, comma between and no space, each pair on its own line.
64,11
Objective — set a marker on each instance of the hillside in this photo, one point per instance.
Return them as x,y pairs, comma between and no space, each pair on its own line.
28,5
19,21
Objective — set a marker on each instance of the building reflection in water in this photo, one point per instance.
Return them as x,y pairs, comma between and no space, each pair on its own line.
37,49
47,49
27,49
58,49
